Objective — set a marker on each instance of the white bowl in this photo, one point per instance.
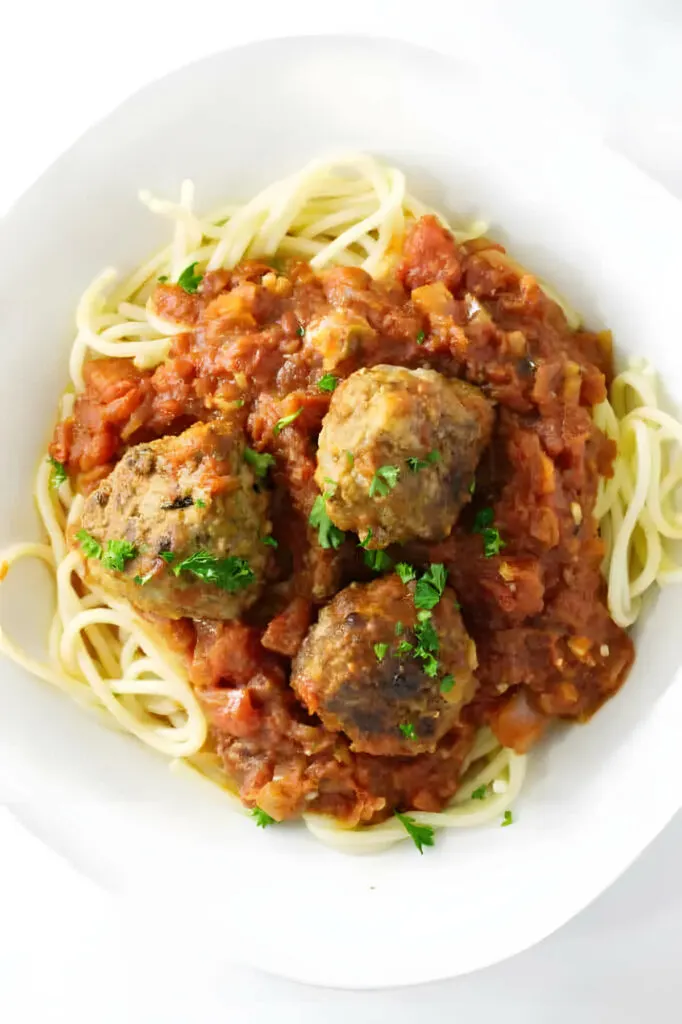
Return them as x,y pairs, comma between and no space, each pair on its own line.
605,236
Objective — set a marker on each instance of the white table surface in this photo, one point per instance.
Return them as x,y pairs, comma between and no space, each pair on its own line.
67,953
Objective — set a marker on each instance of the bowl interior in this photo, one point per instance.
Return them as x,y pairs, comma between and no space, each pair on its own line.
607,238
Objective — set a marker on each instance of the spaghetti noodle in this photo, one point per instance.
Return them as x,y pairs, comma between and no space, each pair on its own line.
351,211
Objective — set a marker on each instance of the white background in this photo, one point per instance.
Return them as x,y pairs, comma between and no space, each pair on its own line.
66,951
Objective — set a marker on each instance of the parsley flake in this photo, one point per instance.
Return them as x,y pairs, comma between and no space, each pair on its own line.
300,330
329,535
285,421
421,337
141,580
269,542
399,629
407,729
229,574
380,651
189,281
417,464
58,474
507,819
480,793
163,278
446,683
262,818
492,542
421,835
328,382
350,458
472,485
405,647
430,586
260,463
200,503
366,539
405,571
90,547
167,556
379,561
383,481
118,552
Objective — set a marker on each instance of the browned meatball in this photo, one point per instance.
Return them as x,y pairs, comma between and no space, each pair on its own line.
191,496
360,670
397,453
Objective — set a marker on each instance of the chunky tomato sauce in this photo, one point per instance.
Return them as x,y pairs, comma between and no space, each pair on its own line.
535,608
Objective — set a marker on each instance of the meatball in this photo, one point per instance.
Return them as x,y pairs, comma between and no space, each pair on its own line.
397,453
362,670
191,495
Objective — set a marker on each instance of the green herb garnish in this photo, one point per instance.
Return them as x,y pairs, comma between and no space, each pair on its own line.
300,330
285,421
492,542
260,463
383,481
200,503
89,546
399,629
167,556
480,793
421,835
328,382
379,561
262,818
229,574
446,683
405,571
118,552
329,535
189,281
430,586
507,819
407,729
141,580
380,651
405,647
163,278
269,542
350,458
58,474
416,464
421,337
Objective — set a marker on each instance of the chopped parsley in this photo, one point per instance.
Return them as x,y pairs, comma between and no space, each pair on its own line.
329,535
260,463
399,629
446,683
269,542
421,337
189,281
300,330
229,574
177,503
285,421
472,485
416,464
118,552
405,647
427,645
507,819
379,561
58,474
262,818
480,793
405,571
430,586
200,503
421,835
350,458
141,580
331,489
90,547
328,382
167,556
380,651
383,481
492,542
407,729
366,539
163,278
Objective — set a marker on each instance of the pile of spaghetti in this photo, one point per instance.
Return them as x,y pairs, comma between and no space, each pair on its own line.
570,519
